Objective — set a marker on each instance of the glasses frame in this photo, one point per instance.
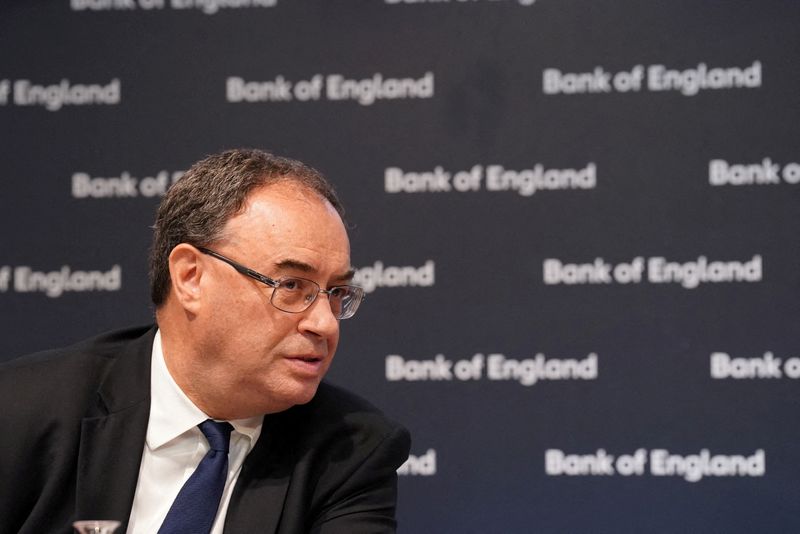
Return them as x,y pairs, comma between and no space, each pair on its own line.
276,284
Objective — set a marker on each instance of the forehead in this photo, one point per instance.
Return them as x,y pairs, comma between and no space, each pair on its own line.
288,221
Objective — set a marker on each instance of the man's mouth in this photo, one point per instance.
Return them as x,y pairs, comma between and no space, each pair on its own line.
308,358
307,364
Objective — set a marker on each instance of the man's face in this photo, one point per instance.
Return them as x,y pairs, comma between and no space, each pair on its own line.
259,359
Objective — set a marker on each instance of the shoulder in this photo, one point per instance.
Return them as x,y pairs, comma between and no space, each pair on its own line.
331,397
348,454
82,356
340,423
340,406
337,417
105,345
64,375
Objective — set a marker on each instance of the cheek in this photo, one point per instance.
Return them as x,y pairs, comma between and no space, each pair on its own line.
271,328
247,309
244,325
224,306
333,343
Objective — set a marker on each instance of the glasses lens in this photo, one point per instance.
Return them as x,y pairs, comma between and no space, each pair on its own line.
297,294
294,294
345,300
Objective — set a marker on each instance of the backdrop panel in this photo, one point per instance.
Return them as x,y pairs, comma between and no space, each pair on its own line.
576,223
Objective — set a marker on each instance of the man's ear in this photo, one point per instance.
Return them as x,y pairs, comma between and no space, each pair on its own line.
186,272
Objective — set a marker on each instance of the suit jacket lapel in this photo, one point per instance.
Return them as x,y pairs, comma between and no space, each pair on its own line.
113,434
257,501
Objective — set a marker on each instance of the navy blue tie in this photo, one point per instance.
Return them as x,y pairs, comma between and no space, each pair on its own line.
195,507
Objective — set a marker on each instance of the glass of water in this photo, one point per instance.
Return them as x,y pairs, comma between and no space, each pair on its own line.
95,527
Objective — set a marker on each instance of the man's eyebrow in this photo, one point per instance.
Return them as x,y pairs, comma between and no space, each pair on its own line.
347,276
306,268
295,265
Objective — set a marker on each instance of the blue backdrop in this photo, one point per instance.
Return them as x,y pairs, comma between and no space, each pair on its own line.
577,223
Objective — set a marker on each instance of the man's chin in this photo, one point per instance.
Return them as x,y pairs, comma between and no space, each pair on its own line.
307,394
302,393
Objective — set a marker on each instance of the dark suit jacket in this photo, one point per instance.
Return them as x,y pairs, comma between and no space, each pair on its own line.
72,431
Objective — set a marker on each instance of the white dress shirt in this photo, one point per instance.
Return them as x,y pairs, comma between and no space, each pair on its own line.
174,447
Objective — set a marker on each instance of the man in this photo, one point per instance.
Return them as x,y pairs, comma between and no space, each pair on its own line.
117,427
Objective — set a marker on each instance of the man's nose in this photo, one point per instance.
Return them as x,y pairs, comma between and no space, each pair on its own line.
319,318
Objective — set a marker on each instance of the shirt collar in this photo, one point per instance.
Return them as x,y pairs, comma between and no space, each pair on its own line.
172,413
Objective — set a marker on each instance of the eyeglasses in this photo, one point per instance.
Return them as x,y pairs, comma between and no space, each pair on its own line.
295,295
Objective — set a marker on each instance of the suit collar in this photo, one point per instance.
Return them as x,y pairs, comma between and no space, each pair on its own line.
260,492
112,442
113,433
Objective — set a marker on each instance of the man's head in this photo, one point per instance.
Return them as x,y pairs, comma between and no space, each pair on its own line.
226,344
197,207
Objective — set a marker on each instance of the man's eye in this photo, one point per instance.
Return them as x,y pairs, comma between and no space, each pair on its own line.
339,292
291,284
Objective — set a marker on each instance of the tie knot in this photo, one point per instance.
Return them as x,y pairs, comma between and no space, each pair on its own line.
217,434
